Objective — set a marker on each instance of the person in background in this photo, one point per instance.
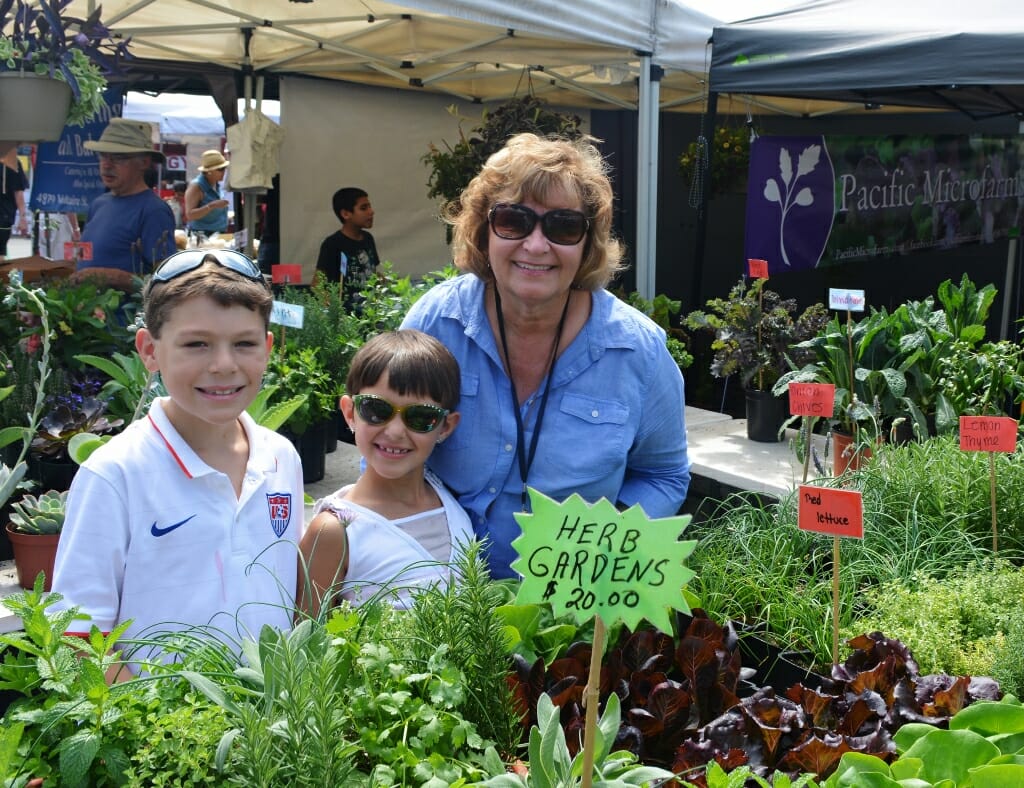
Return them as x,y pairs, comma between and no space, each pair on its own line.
349,255
189,519
397,527
206,211
176,202
566,388
269,253
129,228
56,230
13,212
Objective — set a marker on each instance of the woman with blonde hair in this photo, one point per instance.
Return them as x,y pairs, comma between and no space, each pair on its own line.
565,388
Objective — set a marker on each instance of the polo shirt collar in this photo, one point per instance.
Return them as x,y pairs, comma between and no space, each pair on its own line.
185,456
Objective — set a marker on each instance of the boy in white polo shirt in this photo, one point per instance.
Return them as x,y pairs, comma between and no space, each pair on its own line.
191,516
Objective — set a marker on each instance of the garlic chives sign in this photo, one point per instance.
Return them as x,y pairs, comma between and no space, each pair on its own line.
846,300
812,399
592,559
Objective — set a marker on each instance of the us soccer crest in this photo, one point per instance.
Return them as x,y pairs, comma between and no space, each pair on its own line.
280,505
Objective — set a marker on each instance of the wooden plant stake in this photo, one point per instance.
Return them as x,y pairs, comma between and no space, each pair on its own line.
595,537
591,700
989,434
992,499
810,400
826,510
758,269
852,301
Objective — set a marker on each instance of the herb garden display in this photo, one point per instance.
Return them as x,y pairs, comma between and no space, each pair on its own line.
481,684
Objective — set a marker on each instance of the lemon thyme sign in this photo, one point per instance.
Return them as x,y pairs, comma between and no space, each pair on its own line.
591,559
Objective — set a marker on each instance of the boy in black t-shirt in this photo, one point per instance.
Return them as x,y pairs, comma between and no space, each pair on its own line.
349,256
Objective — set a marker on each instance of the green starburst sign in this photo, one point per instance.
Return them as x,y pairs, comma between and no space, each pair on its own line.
591,559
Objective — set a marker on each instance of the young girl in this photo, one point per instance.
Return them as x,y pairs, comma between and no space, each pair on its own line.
395,529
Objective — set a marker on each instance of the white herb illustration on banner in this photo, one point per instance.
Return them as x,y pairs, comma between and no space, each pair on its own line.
785,192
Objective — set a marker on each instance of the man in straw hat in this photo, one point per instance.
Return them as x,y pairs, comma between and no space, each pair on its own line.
205,210
129,227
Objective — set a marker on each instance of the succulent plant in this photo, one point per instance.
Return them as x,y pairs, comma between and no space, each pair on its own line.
40,515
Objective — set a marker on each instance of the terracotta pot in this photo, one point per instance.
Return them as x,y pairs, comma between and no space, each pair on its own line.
844,457
33,108
33,553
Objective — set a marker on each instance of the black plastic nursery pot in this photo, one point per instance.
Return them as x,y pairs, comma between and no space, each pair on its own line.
766,414
312,448
775,667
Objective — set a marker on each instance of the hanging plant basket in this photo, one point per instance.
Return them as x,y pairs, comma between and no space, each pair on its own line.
33,108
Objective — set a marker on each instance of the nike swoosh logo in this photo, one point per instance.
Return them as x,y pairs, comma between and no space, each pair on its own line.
161,531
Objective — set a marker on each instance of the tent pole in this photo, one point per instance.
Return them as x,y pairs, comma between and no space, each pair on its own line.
643,195
647,180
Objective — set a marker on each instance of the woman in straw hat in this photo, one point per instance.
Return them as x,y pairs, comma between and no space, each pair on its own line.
205,210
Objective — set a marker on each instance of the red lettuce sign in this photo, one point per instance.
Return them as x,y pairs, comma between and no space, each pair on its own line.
813,201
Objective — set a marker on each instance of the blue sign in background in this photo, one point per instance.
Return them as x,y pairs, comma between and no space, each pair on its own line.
67,176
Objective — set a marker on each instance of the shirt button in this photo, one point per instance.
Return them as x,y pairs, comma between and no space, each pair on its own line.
492,489
508,447
594,413
483,520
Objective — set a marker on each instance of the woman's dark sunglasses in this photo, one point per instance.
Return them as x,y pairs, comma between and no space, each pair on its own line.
418,418
189,260
513,222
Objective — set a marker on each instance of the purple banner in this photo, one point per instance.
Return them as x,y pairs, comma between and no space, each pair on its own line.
815,202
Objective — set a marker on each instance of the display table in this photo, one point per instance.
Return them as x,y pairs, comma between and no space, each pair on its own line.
37,268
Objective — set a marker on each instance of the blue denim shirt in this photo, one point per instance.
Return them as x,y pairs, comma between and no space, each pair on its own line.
614,425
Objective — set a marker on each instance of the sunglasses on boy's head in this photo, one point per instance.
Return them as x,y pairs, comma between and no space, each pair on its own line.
418,418
189,260
513,222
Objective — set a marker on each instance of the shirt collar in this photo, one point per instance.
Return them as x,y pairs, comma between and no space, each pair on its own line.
185,456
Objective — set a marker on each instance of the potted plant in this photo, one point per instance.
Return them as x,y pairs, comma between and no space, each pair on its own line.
34,529
294,373
454,166
53,63
66,416
758,337
731,160
862,360
52,68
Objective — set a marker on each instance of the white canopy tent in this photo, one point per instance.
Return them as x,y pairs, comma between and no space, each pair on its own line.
583,54
183,114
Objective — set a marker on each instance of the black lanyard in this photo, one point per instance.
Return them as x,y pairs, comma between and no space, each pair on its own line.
526,460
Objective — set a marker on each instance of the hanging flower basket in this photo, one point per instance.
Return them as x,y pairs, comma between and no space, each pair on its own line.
33,107
729,151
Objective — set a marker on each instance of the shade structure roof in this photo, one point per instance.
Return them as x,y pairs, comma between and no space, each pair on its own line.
966,57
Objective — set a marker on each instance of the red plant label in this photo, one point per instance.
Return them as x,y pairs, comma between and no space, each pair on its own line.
78,250
828,511
286,274
988,433
812,399
757,269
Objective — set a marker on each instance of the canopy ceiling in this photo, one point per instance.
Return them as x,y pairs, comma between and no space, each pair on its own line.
967,57
583,53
